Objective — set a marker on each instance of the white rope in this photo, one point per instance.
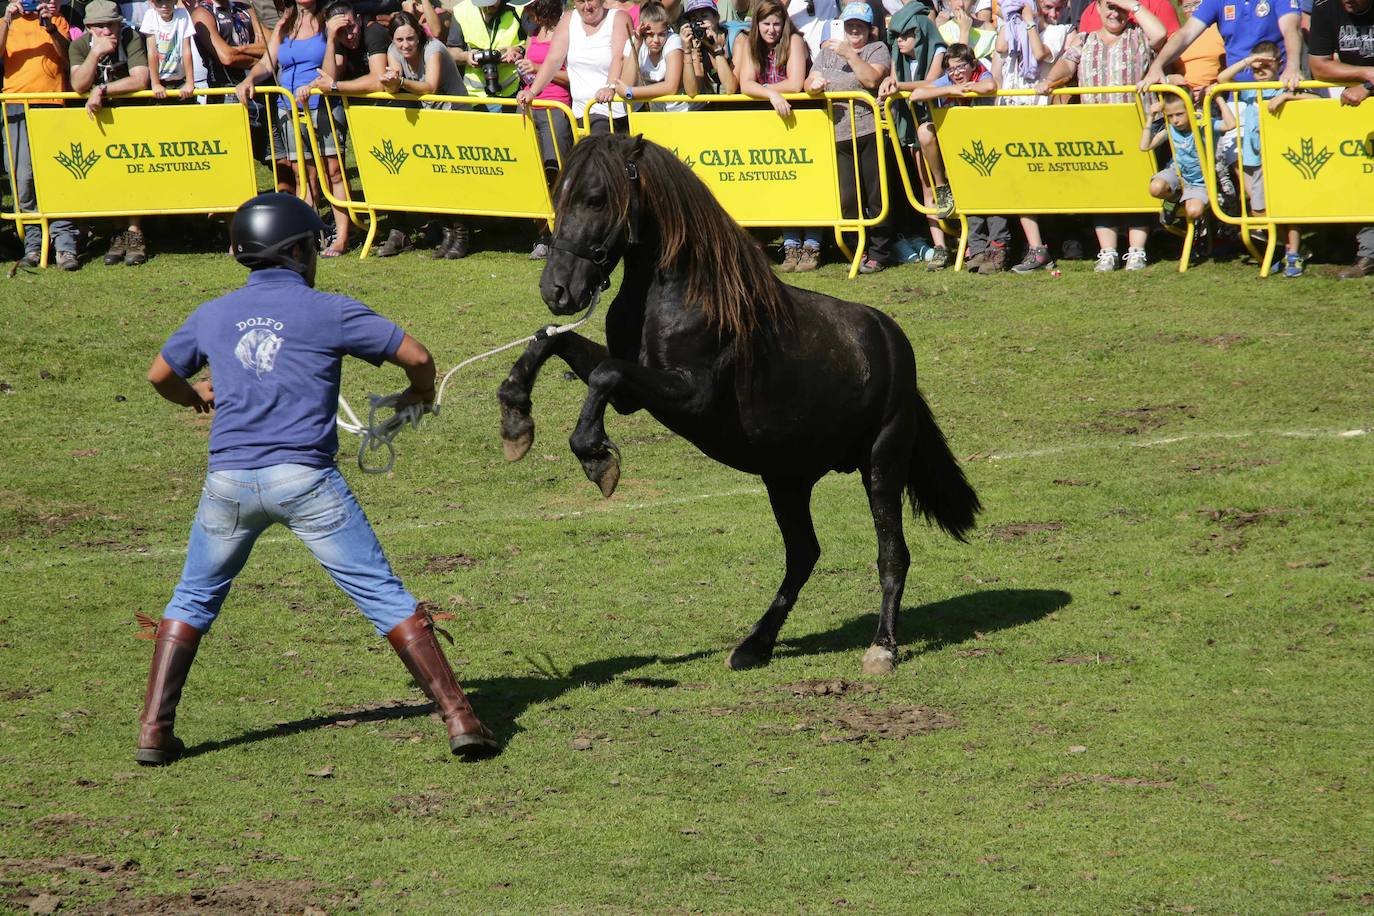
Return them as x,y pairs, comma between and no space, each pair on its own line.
377,435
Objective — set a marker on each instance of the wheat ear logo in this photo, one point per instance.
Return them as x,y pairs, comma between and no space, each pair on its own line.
77,162
1306,161
391,157
983,161
687,160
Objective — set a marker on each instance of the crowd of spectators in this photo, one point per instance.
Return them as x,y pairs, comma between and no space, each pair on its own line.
602,58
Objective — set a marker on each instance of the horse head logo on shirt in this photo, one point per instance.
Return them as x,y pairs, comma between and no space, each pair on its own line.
257,350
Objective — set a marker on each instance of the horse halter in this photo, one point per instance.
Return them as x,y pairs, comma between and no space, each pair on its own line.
600,255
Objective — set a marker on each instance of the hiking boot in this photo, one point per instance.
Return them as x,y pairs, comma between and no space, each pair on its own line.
1170,213
939,258
1292,265
973,262
808,260
1362,267
118,245
1037,258
1106,261
445,240
458,243
30,259
396,242
415,642
870,266
944,202
172,657
66,260
136,249
1135,259
994,261
791,256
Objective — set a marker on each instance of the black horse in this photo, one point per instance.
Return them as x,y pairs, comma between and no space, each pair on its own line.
772,380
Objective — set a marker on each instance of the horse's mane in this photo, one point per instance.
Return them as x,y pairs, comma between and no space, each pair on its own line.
727,274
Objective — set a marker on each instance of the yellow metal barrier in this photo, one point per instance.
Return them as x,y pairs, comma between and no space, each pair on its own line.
1018,160
766,170
132,160
1317,160
463,161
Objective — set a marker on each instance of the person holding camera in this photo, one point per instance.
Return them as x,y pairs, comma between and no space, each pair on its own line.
708,70
34,39
487,39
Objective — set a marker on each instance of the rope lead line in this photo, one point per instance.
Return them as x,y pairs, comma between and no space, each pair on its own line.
377,435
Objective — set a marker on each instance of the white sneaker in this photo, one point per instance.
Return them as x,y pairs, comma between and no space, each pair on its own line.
1135,259
1106,261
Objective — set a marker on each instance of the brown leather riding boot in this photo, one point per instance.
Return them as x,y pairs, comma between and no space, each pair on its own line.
176,649
415,642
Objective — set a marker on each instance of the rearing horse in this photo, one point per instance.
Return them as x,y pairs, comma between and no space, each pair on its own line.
775,381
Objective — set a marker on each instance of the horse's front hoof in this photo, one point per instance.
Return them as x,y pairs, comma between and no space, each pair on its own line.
517,432
744,656
604,471
878,660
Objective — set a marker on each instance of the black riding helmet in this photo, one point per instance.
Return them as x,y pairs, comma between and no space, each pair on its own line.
267,227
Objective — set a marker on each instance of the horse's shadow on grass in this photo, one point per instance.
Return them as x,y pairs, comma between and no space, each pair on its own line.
932,627
500,701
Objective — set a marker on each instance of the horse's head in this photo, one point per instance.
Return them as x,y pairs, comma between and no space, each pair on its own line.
597,207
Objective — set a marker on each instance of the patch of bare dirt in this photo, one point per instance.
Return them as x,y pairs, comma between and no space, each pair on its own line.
1235,519
1073,482
1219,341
1069,780
1132,421
851,722
979,652
447,564
301,897
1016,530
650,683
421,804
824,687
1223,467
23,693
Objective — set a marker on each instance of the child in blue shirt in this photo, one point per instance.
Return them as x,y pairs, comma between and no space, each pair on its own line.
1181,181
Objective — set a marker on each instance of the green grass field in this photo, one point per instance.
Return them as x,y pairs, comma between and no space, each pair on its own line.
1144,686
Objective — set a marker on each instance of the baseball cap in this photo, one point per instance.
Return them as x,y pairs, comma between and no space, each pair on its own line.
696,6
103,11
856,10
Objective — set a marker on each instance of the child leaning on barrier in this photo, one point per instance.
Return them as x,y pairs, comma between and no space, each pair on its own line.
1181,181
856,62
773,62
169,32
1264,64
964,75
918,56
653,61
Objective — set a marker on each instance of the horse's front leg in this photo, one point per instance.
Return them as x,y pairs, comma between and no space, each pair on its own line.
656,390
517,426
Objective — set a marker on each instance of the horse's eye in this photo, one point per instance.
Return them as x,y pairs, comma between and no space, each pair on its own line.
596,199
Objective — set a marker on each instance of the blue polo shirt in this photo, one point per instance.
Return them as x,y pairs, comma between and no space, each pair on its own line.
275,348
1245,23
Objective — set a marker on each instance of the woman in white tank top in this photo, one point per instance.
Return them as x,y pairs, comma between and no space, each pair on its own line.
588,40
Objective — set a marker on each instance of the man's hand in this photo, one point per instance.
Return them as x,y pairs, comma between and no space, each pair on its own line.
816,84
1354,95
1291,77
1153,75
95,102
205,391
103,45
424,397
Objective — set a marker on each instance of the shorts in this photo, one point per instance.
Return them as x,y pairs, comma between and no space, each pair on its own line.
332,138
1171,177
1254,188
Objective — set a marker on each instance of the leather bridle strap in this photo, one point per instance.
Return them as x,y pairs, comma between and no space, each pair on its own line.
600,255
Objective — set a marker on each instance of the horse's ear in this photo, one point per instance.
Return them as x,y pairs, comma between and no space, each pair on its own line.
638,149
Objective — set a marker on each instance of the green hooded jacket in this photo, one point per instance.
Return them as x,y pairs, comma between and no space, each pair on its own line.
915,15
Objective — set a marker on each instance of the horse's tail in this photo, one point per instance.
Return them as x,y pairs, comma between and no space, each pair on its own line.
936,484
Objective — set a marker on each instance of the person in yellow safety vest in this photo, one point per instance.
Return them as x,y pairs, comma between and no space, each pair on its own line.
481,26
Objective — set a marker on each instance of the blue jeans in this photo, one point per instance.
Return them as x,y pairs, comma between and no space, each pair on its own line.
318,507
801,238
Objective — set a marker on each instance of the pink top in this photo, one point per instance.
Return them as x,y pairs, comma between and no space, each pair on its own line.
535,52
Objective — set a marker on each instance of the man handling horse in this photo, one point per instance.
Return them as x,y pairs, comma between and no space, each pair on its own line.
276,350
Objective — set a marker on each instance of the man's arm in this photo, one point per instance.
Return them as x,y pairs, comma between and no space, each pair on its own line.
1334,71
1176,45
1290,27
176,389
412,357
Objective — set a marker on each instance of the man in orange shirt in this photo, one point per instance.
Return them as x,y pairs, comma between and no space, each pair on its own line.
1202,60
34,39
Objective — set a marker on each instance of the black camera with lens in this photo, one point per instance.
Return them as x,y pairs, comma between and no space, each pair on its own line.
698,30
490,62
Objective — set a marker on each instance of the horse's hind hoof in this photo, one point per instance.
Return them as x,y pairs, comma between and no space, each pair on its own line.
604,472
878,660
742,658
517,432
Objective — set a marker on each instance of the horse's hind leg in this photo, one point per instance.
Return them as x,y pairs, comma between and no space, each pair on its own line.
885,482
517,426
791,500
